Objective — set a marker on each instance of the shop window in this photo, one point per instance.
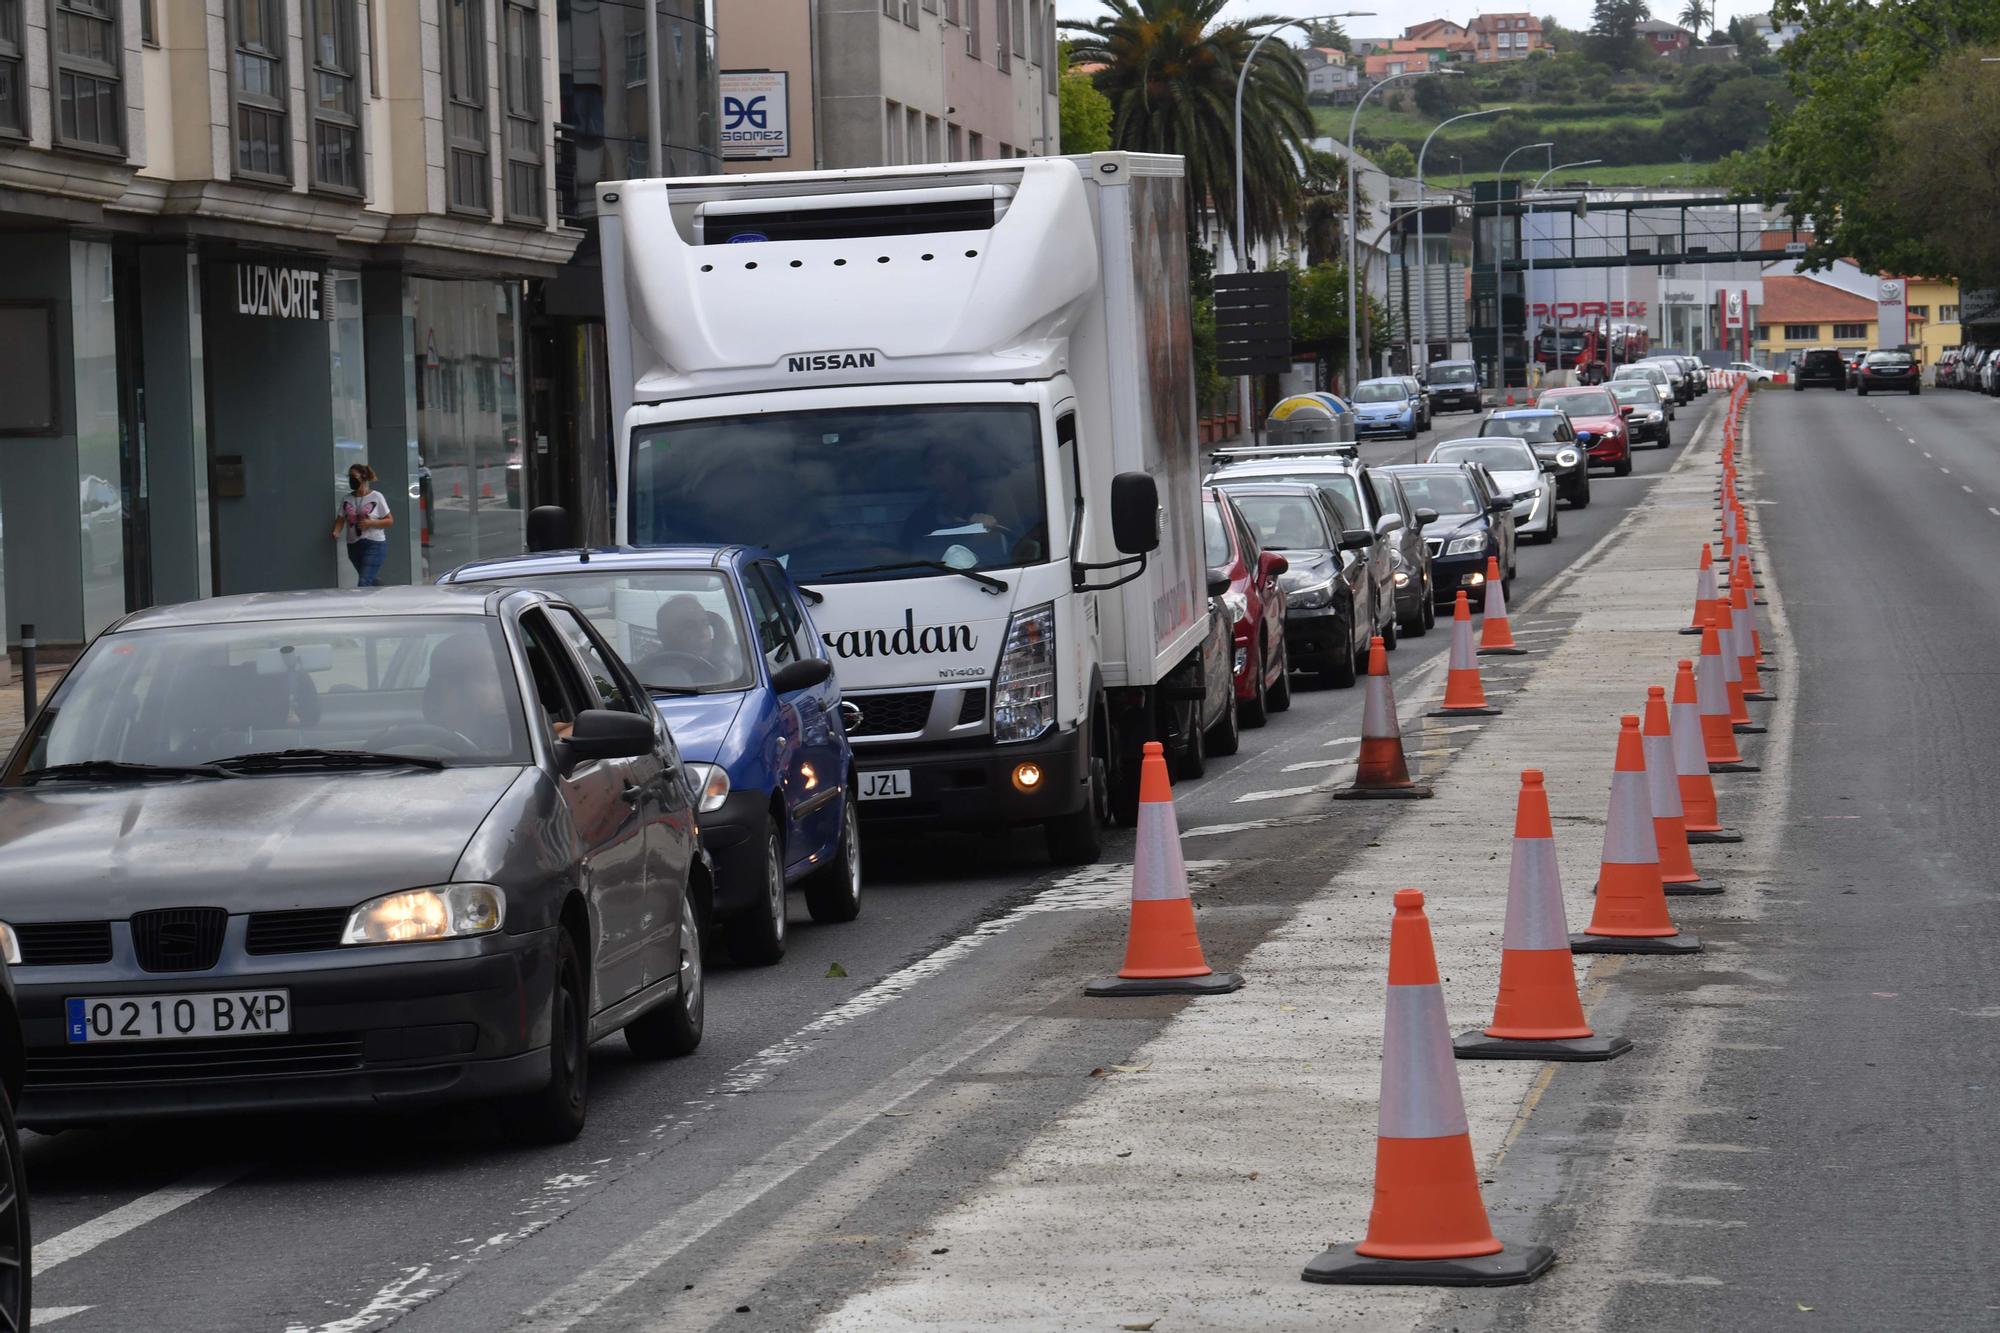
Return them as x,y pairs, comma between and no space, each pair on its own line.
336,122
1801,333
13,92
521,34
468,166
1850,330
263,141
89,94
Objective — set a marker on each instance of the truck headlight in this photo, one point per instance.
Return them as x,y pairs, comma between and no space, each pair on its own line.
1024,691
443,913
708,786
1470,544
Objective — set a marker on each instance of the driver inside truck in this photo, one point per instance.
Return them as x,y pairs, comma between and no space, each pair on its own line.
951,503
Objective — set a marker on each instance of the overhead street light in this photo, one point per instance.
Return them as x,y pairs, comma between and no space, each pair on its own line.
1242,78
1527,251
1352,256
1499,301
1423,264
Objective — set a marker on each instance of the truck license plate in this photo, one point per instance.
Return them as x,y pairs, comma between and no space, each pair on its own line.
241,1013
889,784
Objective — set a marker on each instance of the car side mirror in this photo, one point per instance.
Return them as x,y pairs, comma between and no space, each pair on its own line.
801,675
1501,506
1135,513
1356,539
1426,517
604,733
1271,564
1388,523
1626,410
1218,582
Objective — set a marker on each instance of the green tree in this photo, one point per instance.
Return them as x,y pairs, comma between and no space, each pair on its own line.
1698,16
1319,312
1397,160
1618,18
1085,113
1943,190
1613,40
1170,73
1438,98
1323,212
1329,33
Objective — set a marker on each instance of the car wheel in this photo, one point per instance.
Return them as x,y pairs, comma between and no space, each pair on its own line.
1387,628
668,1031
833,894
1430,606
15,1240
758,936
1860,391
1078,839
1623,467
1280,697
555,1112
1226,736
1342,675
1256,712
1916,389
1555,526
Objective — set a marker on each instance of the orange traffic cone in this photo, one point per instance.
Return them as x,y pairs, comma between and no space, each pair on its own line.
1163,950
1704,589
1732,669
1383,772
1699,814
1428,1226
1631,913
1750,618
1711,696
1538,1015
1464,695
1746,648
1495,636
1670,840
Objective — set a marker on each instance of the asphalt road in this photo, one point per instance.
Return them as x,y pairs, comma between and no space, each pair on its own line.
776,1168
1811,1144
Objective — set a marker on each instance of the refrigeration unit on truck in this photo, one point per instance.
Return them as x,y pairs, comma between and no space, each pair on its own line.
957,403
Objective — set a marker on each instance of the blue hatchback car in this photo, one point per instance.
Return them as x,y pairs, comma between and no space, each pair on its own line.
1385,407
722,639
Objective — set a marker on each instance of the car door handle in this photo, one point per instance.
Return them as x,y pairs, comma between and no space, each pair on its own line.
631,793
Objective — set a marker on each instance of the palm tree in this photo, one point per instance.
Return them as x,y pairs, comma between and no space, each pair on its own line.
1697,15
1170,71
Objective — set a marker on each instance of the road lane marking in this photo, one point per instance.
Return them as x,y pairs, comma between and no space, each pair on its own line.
48,1314
1945,470
1991,510
81,1239
1927,453
1963,487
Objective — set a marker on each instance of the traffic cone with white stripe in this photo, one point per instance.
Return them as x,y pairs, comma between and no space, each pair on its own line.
1699,813
1711,696
1428,1226
1538,1015
1631,912
1704,589
1741,618
1163,949
1677,872
1383,773
1464,695
1496,638
1740,720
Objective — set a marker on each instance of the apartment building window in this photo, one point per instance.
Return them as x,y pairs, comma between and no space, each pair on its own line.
149,32
954,140
1849,331
975,147
1017,26
90,103
1922,312
972,8
521,34
913,135
336,113
892,133
13,92
930,6
951,11
1002,10
1801,333
468,173
263,135
1947,314
933,140
1762,333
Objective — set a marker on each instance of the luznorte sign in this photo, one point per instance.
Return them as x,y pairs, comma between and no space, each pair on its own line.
756,114
1589,309
277,292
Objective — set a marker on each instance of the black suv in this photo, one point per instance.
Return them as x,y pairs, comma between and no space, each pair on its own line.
1820,365
1888,369
1453,384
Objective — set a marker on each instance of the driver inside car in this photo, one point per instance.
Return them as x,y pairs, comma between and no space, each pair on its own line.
463,694
686,630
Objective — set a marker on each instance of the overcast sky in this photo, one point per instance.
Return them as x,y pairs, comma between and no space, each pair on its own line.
1392,16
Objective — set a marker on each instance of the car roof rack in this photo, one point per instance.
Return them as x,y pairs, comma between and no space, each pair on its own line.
1250,452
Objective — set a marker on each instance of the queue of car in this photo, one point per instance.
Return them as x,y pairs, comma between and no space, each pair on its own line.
1974,368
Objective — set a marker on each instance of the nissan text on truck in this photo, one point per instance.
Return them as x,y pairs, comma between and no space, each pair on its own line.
957,403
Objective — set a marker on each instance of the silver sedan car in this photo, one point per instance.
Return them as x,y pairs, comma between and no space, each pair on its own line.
1518,473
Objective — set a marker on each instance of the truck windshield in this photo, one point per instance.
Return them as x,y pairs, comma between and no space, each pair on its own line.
850,488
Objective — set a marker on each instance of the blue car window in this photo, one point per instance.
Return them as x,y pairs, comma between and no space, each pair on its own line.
774,636
609,688
680,630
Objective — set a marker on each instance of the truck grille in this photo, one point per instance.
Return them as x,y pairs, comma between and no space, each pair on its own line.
972,708
296,932
893,714
64,943
94,1065
179,939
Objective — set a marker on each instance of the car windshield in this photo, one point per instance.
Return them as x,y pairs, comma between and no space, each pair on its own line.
1639,373
1335,486
1381,391
836,494
1446,492
678,628
1494,457
428,687
1894,360
1535,429
1286,522
1214,544
1452,375
1633,392
1596,404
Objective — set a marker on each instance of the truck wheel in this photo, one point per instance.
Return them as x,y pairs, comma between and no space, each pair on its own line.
1191,759
1226,736
1256,712
1280,697
1077,839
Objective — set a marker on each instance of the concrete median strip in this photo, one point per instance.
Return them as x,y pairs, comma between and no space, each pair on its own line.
1188,1194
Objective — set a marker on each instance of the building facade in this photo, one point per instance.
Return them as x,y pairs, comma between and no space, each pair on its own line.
1505,37
253,242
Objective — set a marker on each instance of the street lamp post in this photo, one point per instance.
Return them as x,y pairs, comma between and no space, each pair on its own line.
1417,366
1499,302
1527,251
1352,252
1242,79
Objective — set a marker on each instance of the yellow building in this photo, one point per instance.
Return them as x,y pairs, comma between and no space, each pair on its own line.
1933,310
1800,312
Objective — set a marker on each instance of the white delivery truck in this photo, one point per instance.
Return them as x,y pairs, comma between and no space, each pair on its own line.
957,403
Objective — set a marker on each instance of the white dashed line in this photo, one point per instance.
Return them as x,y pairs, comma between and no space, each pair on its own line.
1927,453
1963,487
1991,510
1945,470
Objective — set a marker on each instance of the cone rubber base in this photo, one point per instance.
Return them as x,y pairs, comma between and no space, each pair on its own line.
1487,710
1715,835
1502,652
1668,944
1513,1265
1694,888
1476,1045
1734,767
1418,792
1213,983
1690,630
1747,728
1759,696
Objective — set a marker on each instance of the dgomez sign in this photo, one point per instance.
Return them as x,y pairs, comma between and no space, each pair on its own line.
278,293
756,114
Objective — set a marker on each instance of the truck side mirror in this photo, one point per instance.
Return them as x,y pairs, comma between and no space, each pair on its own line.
1135,513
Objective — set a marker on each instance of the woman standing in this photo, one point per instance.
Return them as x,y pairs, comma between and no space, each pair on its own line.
365,520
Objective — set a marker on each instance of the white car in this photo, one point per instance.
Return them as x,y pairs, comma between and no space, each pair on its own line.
1755,372
1642,370
1516,472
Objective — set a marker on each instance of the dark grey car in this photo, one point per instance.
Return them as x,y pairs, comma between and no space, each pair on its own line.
1326,577
347,850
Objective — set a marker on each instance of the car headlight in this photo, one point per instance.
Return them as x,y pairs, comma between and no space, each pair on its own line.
1655,418
1024,691
708,786
1472,543
1311,596
10,944
447,912
1236,604
1566,458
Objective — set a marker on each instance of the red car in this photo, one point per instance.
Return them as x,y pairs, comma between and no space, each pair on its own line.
1600,427
1255,603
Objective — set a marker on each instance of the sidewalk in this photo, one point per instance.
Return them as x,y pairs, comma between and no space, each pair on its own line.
11,720
1191,1193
